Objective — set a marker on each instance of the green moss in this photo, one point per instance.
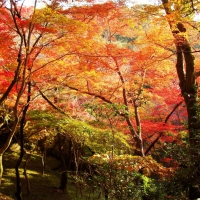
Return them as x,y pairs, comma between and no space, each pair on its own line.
42,186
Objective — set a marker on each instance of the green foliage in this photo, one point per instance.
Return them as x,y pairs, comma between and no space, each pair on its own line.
97,139
129,177
4,115
185,8
41,119
125,39
6,121
121,175
178,154
104,113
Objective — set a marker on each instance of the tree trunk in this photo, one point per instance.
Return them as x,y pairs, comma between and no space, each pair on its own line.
63,181
26,176
1,167
189,91
42,145
64,175
22,123
18,193
136,134
7,144
43,160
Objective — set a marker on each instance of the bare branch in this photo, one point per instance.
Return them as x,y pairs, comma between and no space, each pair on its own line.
166,120
51,103
170,114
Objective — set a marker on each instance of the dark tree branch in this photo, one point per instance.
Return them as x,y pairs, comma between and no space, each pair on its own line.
91,94
198,74
166,120
175,107
152,144
51,103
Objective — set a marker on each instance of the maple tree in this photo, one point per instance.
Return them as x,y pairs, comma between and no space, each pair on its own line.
91,84
109,72
30,35
116,67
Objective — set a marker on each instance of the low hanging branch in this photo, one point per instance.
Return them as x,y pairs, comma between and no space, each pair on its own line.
97,96
51,103
91,94
175,107
152,144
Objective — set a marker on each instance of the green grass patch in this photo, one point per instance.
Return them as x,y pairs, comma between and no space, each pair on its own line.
42,186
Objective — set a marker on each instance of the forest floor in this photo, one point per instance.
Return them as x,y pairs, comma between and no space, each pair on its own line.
43,187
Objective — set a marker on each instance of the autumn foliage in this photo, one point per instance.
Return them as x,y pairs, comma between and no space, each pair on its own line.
101,78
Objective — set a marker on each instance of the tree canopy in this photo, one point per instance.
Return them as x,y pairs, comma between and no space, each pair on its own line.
111,85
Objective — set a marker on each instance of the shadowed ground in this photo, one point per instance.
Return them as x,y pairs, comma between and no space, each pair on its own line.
42,186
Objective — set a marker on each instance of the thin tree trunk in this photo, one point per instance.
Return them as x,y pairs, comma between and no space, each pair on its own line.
18,193
42,144
64,174
22,122
43,160
1,167
7,144
135,134
26,176
139,141
65,167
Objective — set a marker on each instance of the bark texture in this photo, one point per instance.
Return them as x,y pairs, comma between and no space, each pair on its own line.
185,67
